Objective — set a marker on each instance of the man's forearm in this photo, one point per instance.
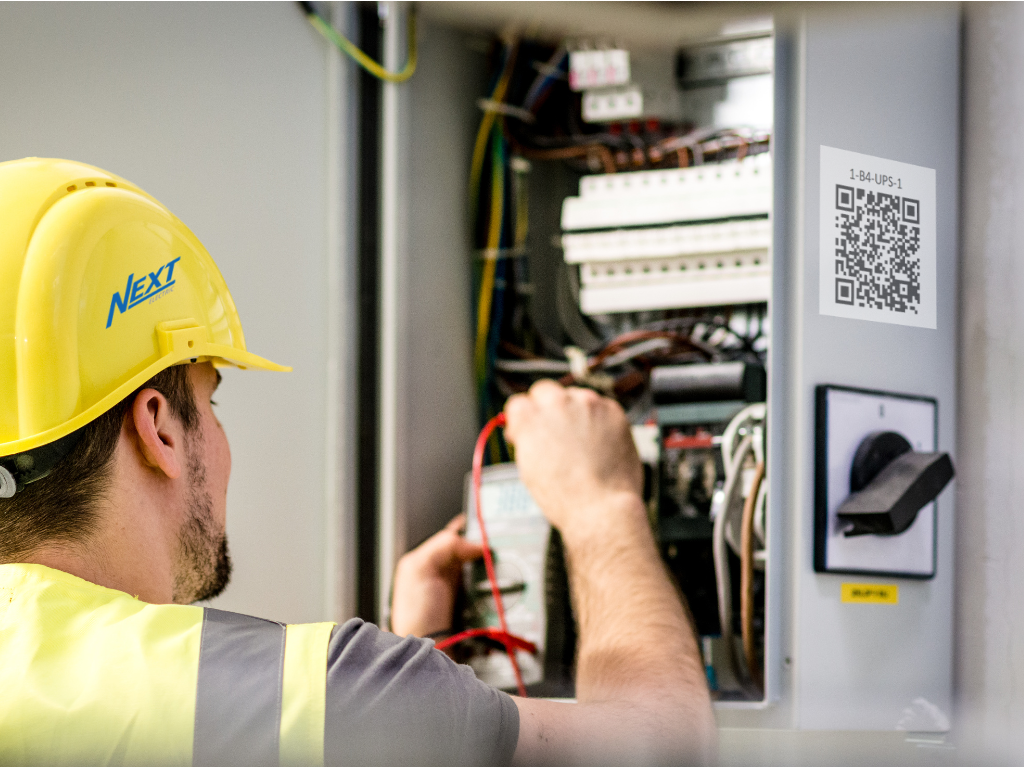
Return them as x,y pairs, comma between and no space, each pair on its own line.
639,678
636,643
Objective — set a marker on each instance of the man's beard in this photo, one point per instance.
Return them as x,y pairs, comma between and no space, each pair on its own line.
203,567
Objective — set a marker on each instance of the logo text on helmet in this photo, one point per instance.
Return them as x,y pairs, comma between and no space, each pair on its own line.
146,287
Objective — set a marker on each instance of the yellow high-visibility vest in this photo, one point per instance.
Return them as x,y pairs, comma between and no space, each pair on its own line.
93,676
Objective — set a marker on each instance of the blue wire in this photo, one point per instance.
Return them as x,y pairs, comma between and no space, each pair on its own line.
539,86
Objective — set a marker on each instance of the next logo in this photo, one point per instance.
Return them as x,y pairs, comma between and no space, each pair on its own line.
137,291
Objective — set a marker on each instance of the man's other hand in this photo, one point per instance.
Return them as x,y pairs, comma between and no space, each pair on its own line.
426,580
574,450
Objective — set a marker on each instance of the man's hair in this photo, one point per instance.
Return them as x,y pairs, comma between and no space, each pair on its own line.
61,508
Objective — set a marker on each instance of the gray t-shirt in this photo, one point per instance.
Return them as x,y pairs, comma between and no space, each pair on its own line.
399,701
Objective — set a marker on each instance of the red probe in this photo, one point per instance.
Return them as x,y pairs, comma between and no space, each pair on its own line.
511,642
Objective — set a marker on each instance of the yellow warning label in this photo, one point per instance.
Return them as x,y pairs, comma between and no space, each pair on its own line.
871,593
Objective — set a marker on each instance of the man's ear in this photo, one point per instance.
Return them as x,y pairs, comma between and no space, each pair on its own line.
158,433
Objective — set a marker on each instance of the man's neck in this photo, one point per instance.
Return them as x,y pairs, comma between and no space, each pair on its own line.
129,548
105,569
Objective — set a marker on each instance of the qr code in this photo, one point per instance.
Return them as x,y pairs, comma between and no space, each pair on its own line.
878,243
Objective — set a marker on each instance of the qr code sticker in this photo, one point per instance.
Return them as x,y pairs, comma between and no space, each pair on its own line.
877,247
878,261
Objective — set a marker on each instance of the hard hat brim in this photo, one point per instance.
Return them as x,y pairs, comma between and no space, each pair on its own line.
180,342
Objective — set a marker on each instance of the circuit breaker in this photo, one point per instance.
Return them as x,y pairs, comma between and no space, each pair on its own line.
720,226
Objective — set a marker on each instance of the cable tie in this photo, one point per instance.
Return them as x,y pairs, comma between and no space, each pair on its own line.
490,105
493,254
531,366
579,369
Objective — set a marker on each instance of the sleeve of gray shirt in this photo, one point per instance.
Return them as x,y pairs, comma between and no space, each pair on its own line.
399,701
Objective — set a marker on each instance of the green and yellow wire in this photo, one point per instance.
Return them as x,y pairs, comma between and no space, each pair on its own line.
352,50
486,124
489,130
483,317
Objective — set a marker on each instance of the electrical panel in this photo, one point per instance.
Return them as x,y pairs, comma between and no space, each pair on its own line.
665,268
649,221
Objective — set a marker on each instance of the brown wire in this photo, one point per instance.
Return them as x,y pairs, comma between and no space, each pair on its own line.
567,153
742,151
747,578
517,351
679,343
622,341
629,382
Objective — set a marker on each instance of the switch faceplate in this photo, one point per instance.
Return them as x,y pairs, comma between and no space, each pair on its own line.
844,417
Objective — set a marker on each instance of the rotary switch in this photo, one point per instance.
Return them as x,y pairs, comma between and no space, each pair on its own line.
890,483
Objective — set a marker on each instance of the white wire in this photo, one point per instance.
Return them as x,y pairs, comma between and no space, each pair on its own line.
558,366
531,366
753,412
720,552
643,348
758,443
733,456
759,512
546,70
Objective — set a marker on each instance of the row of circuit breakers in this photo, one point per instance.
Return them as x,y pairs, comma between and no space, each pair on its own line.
683,237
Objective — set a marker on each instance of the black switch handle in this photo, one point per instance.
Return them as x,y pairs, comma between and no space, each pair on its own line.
891,485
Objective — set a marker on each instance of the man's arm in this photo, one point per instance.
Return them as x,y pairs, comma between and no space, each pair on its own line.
641,691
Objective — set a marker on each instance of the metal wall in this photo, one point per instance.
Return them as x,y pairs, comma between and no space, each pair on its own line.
990,534
882,82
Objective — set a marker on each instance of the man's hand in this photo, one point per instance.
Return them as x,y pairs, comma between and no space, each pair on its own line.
574,451
640,686
427,579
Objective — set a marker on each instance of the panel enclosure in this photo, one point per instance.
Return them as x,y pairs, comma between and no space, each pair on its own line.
882,82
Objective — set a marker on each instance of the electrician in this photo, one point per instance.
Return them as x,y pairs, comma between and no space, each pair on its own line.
113,482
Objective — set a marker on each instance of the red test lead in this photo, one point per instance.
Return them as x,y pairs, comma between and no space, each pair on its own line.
511,642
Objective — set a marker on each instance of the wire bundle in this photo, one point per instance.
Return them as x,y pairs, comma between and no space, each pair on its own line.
529,111
630,356
499,215
742,442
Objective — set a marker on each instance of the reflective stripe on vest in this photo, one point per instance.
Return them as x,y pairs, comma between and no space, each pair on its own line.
304,693
93,676
261,693
238,694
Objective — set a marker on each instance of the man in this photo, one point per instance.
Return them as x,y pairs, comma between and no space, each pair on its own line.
113,483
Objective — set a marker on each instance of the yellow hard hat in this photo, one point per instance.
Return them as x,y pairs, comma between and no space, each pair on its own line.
101,288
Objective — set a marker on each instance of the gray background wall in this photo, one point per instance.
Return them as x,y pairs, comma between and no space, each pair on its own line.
990,526
221,112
